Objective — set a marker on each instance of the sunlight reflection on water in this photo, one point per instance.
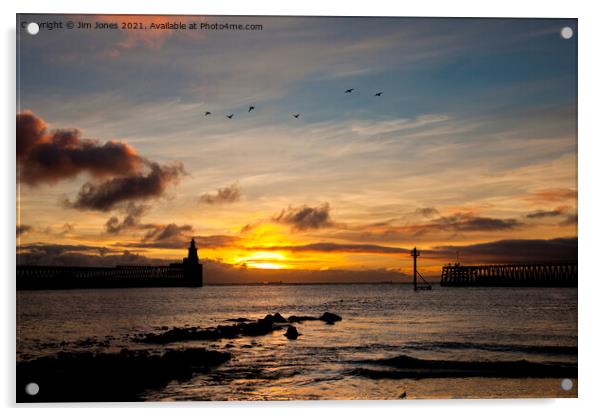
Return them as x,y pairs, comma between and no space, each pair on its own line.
379,321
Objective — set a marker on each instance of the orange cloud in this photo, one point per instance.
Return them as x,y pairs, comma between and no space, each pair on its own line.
552,195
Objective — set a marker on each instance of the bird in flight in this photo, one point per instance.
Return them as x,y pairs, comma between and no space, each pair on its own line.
230,115
378,94
251,109
207,113
349,91
296,115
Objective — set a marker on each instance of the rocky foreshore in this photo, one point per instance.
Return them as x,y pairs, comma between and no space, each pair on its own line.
243,327
83,376
122,376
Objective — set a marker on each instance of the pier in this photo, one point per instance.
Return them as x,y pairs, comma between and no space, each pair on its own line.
189,273
535,275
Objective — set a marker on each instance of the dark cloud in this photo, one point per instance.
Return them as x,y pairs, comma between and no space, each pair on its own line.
46,249
41,254
119,174
22,229
167,232
464,222
546,214
106,195
226,195
306,218
131,220
48,156
569,218
512,251
202,242
427,212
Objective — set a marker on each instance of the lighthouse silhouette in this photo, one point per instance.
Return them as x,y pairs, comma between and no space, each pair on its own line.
193,270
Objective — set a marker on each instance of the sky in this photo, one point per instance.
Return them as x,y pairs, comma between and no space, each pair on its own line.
470,151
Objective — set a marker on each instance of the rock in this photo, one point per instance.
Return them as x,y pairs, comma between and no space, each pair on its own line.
244,327
116,376
279,319
294,318
330,318
291,332
261,327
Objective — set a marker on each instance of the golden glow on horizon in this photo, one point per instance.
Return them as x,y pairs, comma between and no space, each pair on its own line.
263,260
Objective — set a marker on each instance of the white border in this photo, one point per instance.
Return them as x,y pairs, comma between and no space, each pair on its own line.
590,137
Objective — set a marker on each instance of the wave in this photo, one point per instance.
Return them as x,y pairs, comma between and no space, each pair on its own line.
404,366
529,349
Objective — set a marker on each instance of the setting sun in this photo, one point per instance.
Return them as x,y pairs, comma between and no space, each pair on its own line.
263,260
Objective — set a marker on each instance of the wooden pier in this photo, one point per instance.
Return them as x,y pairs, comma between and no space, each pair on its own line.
536,275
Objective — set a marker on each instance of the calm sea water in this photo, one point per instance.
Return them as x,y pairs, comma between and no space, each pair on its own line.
379,321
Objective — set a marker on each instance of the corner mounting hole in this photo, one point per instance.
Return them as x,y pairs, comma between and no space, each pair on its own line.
566,384
566,32
32,389
32,28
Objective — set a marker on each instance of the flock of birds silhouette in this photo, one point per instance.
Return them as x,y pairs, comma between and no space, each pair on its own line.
251,108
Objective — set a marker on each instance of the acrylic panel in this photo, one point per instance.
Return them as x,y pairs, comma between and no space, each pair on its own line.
295,208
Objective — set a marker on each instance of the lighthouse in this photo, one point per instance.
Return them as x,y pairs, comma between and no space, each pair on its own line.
193,270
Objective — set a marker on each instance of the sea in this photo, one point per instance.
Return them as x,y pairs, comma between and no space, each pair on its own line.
505,326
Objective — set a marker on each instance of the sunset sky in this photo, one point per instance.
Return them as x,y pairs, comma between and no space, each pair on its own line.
472,146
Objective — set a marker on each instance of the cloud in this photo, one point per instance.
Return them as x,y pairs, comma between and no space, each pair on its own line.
59,230
467,222
571,219
202,242
513,251
552,195
156,236
169,232
461,222
427,212
132,219
104,196
22,229
48,249
80,256
226,195
547,214
306,218
48,156
247,228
